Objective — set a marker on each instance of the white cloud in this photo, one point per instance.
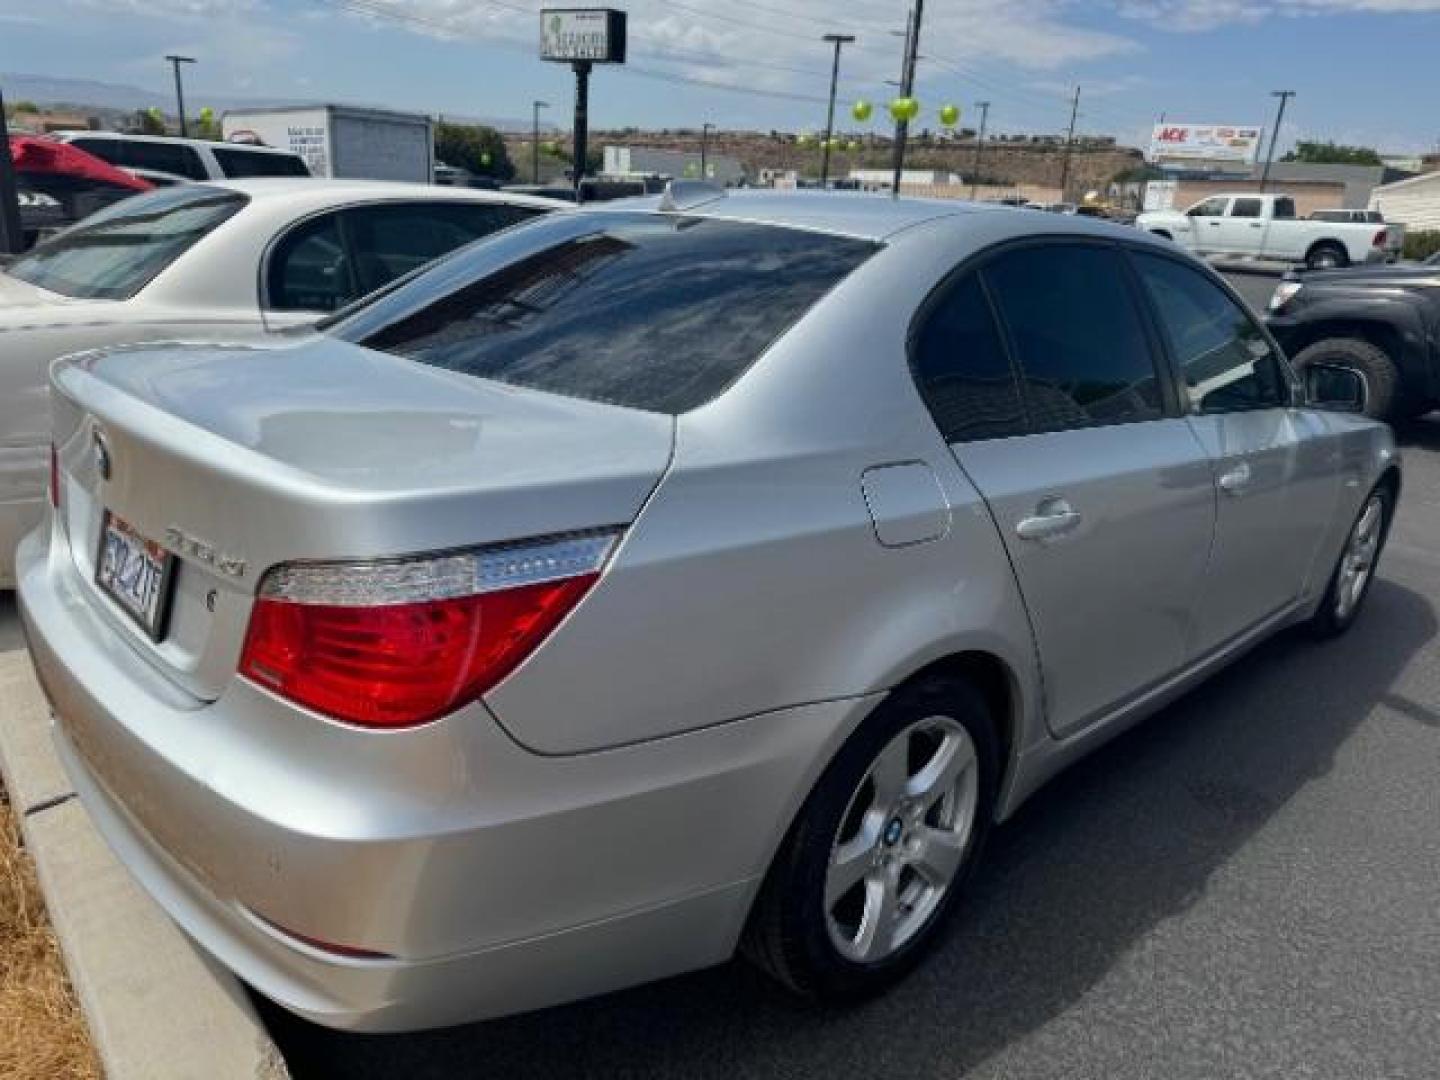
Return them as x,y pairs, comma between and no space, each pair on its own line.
1195,15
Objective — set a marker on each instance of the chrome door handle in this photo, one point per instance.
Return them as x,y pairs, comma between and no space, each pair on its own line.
1235,480
1053,517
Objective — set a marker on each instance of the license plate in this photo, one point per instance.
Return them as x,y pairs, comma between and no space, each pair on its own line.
135,573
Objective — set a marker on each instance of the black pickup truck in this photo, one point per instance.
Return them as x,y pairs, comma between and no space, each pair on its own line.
1382,321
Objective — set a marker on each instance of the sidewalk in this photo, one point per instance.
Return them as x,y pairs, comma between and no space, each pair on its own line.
157,1007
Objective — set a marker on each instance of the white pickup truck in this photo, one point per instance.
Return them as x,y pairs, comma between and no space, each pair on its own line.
1265,226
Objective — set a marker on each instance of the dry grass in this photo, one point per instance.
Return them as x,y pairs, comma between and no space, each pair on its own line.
42,1033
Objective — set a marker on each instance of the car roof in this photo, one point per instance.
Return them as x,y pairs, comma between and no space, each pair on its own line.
319,191
249,148
874,217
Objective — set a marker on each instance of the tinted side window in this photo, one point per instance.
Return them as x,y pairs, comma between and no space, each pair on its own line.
962,370
166,157
1245,208
309,270
238,163
1209,208
1284,208
1226,363
390,241
1077,335
109,150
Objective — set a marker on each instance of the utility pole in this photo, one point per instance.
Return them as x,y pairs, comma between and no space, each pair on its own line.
12,238
838,40
1069,142
984,107
535,107
1284,96
175,62
907,86
705,129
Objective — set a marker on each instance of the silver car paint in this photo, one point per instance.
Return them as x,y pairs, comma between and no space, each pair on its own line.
606,814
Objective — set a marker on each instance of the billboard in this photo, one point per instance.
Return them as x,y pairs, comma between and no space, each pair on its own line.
1205,142
593,34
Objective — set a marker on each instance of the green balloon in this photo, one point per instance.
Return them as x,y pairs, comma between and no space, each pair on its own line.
949,115
485,158
904,108
207,114
861,110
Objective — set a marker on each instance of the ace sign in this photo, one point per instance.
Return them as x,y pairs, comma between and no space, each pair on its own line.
593,35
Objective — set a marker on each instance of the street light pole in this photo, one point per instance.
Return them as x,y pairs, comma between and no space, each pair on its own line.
1284,96
175,62
984,107
838,40
536,106
705,130
1069,144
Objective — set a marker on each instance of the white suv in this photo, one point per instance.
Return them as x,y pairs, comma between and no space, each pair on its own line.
185,159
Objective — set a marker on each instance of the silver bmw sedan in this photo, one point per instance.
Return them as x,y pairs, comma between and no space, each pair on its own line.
646,583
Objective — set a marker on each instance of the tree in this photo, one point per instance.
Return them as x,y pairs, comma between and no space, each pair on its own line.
1330,153
479,149
149,122
25,107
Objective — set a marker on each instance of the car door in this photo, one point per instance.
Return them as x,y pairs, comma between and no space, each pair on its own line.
1242,230
1285,236
1043,377
1207,219
1275,477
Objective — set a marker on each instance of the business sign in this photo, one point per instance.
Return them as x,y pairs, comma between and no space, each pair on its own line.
1205,142
593,34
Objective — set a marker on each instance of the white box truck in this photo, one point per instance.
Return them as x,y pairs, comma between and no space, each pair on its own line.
342,140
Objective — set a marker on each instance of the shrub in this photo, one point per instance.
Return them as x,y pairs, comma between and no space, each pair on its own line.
1421,245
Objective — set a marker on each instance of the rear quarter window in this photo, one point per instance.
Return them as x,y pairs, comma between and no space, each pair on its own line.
646,311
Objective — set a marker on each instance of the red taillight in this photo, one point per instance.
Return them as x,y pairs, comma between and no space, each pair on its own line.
54,478
392,646
1380,238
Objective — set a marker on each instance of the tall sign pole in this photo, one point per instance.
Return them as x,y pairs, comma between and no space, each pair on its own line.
12,237
1284,96
838,40
582,38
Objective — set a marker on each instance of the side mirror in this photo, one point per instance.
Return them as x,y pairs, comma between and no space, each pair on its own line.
1338,389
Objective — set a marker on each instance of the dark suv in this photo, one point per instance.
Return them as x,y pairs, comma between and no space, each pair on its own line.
1381,321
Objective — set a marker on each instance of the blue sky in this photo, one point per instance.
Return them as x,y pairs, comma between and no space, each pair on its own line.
1364,70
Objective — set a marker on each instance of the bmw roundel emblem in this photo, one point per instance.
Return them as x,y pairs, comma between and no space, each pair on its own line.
102,454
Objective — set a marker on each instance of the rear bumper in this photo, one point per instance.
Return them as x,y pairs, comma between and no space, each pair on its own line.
492,879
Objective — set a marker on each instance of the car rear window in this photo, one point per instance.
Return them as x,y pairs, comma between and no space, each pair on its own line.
115,253
241,163
648,311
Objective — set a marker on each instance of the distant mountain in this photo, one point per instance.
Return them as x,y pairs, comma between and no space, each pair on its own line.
80,94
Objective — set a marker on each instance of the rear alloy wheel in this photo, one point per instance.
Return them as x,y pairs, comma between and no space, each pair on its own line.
1350,583
1327,257
879,854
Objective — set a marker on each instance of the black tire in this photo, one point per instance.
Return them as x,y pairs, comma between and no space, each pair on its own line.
1331,619
1327,256
1383,397
788,935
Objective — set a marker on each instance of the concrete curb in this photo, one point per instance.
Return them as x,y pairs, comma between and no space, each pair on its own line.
157,1007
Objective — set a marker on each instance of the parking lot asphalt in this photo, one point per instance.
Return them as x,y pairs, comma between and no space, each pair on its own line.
1244,886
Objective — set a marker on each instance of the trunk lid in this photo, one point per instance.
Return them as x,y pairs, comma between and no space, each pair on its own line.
234,459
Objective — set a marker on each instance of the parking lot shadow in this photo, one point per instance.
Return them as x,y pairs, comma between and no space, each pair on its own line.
1124,841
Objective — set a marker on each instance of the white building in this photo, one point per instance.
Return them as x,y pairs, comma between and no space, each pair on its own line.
1414,203
882,179
627,162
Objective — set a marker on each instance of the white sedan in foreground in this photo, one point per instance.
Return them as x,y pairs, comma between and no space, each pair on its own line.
203,262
